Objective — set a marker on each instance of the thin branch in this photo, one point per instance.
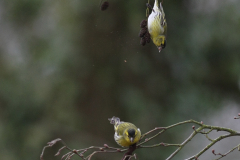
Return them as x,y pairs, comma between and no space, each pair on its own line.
238,116
223,155
210,145
184,143
163,129
161,144
129,154
209,138
68,156
199,130
129,157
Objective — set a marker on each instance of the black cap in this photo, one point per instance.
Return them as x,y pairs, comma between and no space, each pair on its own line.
131,132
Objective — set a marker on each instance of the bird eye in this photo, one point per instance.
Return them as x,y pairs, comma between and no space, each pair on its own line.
164,44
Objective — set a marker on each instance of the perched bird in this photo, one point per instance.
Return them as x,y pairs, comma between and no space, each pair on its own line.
157,26
126,134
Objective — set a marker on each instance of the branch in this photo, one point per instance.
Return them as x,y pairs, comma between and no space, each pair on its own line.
128,154
160,130
68,156
238,116
223,155
210,145
199,130
161,144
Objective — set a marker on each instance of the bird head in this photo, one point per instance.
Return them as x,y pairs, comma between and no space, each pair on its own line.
160,42
130,134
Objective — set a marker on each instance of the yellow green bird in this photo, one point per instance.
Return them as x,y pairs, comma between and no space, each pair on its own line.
157,26
126,134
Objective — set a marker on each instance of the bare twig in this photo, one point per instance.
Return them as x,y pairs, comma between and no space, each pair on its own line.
238,116
199,130
53,142
183,144
211,144
223,155
158,130
161,144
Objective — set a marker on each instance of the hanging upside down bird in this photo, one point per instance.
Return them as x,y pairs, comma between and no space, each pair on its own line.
157,26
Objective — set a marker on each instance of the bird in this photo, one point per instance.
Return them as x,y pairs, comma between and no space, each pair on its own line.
157,26
126,134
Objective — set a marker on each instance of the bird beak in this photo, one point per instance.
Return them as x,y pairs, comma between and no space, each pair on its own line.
159,49
131,139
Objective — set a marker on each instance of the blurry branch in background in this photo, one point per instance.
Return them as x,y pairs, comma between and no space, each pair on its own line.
201,129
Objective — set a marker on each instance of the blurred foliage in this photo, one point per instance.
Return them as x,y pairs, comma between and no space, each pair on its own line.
66,66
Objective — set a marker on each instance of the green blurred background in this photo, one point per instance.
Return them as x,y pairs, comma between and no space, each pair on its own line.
66,67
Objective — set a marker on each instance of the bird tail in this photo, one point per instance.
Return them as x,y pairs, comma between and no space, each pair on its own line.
114,120
158,6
